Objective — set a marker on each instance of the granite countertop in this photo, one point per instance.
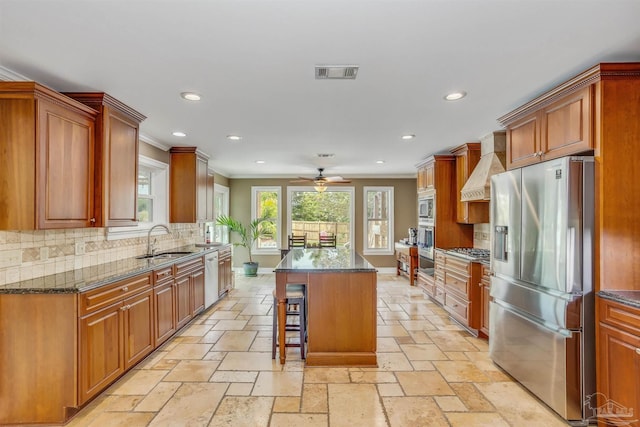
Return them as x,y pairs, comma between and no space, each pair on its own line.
323,260
87,278
631,298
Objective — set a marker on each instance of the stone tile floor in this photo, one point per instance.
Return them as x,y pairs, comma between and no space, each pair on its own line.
218,371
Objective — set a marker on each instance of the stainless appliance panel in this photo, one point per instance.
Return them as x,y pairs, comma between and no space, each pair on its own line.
549,364
211,291
505,223
556,311
555,196
426,241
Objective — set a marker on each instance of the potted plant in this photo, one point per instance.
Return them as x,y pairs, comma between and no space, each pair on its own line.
248,235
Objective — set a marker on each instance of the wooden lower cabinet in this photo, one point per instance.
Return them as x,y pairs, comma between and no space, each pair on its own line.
197,291
485,299
114,338
618,361
225,271
165,313
183,301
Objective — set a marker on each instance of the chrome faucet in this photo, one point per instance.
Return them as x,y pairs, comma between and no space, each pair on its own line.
150,251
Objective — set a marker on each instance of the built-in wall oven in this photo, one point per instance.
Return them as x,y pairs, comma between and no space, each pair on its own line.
425,240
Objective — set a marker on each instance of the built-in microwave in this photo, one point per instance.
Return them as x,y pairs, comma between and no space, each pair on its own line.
426,209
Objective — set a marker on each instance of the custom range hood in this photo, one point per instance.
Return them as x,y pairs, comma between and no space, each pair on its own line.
492,161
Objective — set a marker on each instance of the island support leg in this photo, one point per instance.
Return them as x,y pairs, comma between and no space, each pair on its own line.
282,327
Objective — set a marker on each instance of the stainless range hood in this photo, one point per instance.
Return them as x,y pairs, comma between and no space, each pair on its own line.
492,161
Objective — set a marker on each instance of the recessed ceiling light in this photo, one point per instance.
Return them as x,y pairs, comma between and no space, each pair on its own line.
408,136
190,96
178,133
234,137
260,162
380,162
454,96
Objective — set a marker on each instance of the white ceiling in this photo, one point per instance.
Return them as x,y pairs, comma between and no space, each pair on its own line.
253,63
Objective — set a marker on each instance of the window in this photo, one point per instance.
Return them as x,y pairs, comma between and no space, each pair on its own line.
327,213
265,203
378,220
220,207
153,199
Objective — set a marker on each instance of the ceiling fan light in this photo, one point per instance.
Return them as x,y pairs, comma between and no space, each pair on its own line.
320,188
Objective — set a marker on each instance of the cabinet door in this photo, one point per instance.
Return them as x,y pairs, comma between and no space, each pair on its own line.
566,126
120,177
165,319
228,271
64,168
138,328
429,176
201,189
197,291
523,142
101,345
619,368
210,194
183,301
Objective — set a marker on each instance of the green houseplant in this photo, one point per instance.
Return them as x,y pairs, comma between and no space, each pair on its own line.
248,235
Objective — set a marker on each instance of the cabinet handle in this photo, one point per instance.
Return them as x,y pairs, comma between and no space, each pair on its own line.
637,350
92,220
125,289
123,308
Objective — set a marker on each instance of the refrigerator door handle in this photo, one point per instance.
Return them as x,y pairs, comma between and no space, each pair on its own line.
566,333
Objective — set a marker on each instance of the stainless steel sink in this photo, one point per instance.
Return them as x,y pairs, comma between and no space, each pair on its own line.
164,255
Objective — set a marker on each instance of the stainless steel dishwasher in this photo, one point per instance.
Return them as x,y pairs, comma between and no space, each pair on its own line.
210,279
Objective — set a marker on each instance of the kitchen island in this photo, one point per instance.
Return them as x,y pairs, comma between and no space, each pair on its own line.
341,303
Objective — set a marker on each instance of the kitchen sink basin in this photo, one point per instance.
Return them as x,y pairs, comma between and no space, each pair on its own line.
164,255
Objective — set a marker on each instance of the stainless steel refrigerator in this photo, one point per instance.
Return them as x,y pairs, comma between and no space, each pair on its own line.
542,313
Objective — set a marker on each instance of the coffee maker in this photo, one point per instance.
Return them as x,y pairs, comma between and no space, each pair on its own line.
413,236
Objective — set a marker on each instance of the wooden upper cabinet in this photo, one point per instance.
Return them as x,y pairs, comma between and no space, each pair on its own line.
467,157
561,125
188,186
566,125
425,177
47,166
116,166
523,141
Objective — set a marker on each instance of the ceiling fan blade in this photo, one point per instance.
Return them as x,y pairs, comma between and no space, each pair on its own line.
333,178
303,179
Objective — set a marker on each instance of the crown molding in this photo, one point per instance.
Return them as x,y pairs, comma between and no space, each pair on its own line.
11,76
149,140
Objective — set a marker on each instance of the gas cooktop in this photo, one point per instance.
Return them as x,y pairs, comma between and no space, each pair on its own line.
471,253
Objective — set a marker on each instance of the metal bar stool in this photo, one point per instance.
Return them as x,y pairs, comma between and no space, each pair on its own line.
295,306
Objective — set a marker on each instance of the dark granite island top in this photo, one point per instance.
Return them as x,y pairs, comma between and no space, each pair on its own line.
88,278
341,305
323,260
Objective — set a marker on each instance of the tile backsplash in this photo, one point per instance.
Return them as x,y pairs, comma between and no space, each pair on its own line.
482,236
29,254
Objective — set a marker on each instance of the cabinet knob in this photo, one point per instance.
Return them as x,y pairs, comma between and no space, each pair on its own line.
637,350
123,308
92,220
125,289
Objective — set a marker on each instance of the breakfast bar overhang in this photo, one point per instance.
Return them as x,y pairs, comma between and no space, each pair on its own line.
341,304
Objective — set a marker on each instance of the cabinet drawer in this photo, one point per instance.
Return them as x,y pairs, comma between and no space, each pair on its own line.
458,283
189,266
438,293
162,275
439,256
438,277
224,253
620,315
458,265
103,296
456,307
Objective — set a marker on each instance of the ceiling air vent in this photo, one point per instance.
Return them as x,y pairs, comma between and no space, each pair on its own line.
341,72
325,155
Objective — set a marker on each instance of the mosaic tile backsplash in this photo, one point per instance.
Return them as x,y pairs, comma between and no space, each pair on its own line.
29,254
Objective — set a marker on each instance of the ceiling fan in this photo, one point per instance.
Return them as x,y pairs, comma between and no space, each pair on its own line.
322,181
